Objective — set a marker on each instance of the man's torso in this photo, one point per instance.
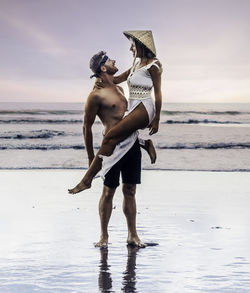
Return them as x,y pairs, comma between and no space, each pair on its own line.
113,105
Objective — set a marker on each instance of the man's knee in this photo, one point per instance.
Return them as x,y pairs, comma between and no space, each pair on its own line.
108,192
129,189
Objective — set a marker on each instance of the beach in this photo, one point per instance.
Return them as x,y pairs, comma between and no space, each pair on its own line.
198,219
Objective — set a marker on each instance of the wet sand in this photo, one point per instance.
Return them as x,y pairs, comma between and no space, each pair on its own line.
199,219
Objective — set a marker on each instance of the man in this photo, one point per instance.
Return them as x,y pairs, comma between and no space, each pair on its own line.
110,104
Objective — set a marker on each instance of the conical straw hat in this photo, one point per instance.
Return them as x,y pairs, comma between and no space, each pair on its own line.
143,37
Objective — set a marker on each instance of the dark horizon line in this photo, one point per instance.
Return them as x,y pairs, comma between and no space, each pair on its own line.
24,102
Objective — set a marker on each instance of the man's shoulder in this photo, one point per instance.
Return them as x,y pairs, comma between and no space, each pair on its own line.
94,95
99,93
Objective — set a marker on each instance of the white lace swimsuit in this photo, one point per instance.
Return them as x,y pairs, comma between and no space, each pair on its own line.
140,87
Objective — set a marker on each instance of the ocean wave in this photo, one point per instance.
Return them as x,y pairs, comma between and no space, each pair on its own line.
194,146
40,121
36,134
232,113
202,121
42,147
41,112
79,121
178,146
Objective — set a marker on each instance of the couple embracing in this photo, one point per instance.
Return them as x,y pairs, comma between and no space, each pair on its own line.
120,149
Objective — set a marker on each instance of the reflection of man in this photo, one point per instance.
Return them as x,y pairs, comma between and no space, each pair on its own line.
104,279
109,104
129,275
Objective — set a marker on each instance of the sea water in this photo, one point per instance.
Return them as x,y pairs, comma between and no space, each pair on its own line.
211,137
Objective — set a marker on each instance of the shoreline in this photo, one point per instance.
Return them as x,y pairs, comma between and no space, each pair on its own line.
148,169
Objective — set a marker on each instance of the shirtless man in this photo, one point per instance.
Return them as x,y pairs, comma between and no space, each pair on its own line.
110,104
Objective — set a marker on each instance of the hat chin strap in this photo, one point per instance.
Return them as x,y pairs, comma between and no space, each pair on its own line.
133,43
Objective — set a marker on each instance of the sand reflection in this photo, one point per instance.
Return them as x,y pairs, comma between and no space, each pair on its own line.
129,275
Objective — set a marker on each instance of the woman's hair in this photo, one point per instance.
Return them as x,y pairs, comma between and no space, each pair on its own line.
145,51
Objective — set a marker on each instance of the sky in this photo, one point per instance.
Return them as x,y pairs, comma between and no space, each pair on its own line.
46,45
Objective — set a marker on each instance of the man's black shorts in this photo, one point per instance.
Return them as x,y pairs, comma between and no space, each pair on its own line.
129,166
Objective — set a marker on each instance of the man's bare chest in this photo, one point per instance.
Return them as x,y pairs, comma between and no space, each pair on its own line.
113,99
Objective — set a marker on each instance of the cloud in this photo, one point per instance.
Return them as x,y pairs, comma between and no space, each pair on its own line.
44,90
207,91
45,41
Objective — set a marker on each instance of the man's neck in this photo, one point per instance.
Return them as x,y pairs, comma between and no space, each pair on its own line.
108,80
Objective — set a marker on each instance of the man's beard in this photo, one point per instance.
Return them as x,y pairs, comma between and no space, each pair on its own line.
112,70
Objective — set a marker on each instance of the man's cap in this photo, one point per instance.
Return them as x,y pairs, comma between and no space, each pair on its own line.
96,62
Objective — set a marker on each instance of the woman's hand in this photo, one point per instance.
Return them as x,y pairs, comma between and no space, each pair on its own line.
98,83
154,126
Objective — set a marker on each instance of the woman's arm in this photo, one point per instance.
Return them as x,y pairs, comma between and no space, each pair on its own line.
122,77
155,73
117,79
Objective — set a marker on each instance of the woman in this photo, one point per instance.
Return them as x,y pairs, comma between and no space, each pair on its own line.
143,112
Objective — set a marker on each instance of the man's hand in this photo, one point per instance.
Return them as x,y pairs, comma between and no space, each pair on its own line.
154,126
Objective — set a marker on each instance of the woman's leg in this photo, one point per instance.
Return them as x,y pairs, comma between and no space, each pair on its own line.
137,119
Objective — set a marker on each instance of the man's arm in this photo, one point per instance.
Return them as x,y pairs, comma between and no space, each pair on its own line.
91,109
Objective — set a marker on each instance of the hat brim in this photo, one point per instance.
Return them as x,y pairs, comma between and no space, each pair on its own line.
128,35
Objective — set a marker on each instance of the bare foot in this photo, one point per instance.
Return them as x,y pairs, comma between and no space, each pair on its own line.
149,147
103,243
79,187
136,242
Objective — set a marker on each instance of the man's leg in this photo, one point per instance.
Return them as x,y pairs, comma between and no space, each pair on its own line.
129,209
105,210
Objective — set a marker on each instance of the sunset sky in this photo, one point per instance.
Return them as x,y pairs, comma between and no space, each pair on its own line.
45,47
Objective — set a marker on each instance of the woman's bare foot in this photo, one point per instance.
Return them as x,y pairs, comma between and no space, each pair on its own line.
149,147
136,242
103,243
79,187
